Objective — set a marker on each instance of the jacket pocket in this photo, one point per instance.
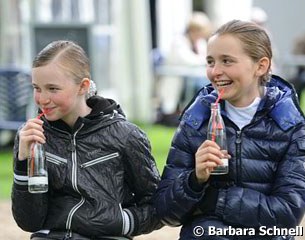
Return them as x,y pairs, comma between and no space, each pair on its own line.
100,160
55,159
57,170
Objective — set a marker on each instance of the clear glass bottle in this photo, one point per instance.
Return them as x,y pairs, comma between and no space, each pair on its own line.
217,132
37,169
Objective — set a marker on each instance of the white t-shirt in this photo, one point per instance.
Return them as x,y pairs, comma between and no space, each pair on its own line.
242,116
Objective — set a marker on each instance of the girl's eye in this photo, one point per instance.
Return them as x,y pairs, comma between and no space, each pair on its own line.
53,89
37,89
227,61
210,62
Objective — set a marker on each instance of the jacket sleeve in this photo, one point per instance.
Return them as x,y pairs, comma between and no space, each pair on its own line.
284,207
29,210
175,199
143,177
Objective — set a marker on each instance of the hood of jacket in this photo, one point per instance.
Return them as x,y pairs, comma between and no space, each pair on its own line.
279,103
104,112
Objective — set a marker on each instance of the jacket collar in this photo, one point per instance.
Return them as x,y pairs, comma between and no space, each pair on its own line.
280,102
101,108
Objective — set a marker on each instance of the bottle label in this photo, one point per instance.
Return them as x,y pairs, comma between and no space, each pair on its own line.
221,169
225,162
38,180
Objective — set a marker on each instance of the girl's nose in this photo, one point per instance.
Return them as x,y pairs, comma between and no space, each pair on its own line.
217,70
43,98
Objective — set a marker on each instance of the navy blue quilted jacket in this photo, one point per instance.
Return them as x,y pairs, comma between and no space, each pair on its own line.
266,181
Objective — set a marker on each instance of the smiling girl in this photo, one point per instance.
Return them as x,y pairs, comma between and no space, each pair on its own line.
265,131
101,171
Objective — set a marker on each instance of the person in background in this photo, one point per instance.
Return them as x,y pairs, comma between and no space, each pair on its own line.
186,51
265,131
102,175
259,16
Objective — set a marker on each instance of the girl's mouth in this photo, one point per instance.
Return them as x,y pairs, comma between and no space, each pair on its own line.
47,110
223,83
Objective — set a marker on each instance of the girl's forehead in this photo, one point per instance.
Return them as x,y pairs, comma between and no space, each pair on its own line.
226,38
50,73
224,44
52,69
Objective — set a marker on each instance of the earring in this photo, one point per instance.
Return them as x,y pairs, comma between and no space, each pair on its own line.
92,90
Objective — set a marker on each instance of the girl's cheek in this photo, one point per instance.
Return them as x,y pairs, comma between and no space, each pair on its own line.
209,75
36,97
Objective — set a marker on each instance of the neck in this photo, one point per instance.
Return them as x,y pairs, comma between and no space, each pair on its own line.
82,111
249,98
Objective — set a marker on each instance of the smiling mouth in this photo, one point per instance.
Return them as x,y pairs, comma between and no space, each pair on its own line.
47,110
223,83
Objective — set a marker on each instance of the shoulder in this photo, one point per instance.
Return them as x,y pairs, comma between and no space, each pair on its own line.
286,114
285,111
198,110
131,132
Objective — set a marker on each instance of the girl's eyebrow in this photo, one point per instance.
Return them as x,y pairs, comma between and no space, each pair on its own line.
51,85
227,56
221,56
47,85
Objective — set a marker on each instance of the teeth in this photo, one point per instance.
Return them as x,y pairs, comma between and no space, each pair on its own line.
225,83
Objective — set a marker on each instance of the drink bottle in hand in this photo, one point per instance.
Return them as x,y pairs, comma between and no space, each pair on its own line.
217,133
37,169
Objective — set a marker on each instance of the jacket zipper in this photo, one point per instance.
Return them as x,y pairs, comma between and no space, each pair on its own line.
238,149
74,183
238,156
100,159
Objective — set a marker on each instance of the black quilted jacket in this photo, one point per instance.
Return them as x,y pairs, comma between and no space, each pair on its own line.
101,178
266,181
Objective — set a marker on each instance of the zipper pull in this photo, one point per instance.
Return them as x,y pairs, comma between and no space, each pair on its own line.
238,138
68,235
72,147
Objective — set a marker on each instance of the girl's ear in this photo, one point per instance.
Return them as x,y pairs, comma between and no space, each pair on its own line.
263,66
84,86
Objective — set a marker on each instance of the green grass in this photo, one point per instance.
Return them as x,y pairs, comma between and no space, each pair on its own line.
6,173
160,138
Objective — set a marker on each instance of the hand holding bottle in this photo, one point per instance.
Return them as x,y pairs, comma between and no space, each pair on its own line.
31,132
208,157
30,147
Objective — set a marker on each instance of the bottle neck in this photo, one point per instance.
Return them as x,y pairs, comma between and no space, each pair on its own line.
215,108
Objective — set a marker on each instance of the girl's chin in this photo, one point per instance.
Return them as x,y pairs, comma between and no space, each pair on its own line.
50,117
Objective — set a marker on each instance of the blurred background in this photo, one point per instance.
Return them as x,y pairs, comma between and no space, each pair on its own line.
121,36
128,42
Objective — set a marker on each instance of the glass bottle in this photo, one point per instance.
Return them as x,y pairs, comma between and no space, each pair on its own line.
37,169
217,132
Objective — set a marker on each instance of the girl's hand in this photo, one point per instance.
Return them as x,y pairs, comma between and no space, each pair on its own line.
207,157
31,132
